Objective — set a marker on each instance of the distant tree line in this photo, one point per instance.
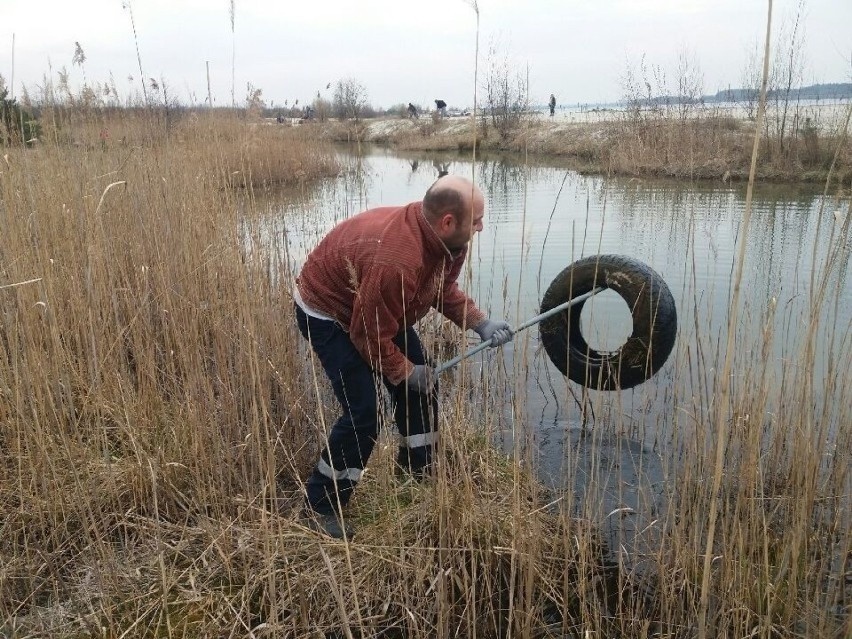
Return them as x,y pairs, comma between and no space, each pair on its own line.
831,91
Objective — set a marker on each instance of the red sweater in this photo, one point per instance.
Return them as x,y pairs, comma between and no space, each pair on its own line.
381,271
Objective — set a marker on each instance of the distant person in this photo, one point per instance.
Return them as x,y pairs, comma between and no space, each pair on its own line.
442,108
552,104
357,300
412,111
280,119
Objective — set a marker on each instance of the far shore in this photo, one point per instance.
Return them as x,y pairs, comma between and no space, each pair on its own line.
708,147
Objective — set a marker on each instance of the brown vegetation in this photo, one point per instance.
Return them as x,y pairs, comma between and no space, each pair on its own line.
158,411
157,417
221,148
637,145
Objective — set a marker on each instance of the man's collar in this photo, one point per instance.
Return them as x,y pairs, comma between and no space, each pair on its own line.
434,244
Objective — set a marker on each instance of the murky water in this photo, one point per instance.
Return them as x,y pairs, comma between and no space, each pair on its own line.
541,218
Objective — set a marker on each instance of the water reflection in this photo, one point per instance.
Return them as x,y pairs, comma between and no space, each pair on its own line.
613,452
541,217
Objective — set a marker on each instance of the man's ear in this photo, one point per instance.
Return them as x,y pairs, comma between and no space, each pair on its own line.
447,222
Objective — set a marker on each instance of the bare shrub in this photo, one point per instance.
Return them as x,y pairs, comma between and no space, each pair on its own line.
506,92
350,99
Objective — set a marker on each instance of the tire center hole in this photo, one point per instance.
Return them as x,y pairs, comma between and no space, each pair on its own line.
605,321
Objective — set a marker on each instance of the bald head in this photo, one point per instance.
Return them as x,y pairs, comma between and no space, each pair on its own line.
454,206
451,194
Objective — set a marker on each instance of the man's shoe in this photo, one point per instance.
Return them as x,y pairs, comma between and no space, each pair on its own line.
329,525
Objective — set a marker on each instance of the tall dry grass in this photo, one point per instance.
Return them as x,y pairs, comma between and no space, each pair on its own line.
157,418
711,146
158,411
225,147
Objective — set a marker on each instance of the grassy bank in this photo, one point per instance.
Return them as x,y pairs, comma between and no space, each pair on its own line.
158,413
638,144
157,419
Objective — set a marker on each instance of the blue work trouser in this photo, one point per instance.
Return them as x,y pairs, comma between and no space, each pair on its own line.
353,435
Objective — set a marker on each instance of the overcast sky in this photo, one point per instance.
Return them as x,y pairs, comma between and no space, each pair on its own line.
404,51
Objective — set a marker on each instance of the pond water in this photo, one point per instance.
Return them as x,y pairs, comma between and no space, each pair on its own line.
539,219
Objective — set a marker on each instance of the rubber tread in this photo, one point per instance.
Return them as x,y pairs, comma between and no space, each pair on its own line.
654,323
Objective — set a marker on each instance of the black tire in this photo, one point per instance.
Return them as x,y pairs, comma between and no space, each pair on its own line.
654,323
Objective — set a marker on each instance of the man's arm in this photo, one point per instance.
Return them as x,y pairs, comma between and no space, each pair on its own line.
462,310
454,303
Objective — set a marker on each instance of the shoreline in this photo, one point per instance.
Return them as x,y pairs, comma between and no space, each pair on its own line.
700,148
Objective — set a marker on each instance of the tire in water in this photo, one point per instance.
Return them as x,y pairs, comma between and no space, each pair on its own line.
654,323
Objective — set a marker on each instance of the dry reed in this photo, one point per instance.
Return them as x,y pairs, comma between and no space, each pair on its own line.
156,419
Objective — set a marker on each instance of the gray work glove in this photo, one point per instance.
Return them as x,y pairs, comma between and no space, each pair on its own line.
496,332
421,379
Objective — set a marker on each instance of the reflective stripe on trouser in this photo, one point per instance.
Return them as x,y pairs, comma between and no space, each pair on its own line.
417,441
353,436
352,474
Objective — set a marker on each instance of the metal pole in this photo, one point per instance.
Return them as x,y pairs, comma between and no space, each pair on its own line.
530,322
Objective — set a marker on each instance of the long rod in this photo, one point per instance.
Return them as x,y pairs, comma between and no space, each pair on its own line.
530,322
